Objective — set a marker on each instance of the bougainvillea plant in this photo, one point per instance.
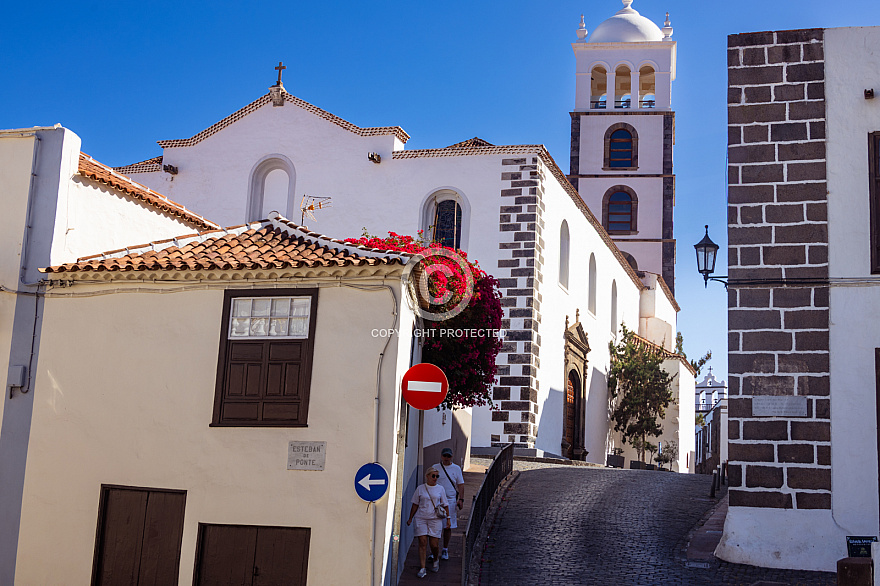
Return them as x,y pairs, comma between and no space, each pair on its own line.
468,360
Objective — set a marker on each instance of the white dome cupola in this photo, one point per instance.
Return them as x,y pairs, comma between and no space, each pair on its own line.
627,26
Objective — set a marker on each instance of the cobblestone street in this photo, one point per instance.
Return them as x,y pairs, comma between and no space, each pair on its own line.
571,525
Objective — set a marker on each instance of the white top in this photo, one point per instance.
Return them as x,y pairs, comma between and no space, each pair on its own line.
627,26
428,497
455,473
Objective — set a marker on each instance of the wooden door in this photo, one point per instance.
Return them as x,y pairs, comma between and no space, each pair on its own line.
242,555
569,414
139,535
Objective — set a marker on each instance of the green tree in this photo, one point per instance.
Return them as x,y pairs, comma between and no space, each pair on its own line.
670,453
640,388
697,364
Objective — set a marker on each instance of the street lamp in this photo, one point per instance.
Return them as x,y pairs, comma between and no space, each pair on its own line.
706,252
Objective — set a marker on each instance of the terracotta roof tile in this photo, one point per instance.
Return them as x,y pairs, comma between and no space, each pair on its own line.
275,243
92,169
471,142
266,99
148,166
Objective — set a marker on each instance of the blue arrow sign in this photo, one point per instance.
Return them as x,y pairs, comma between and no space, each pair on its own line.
371,482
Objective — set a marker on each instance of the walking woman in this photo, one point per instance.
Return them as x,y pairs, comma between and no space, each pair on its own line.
430,508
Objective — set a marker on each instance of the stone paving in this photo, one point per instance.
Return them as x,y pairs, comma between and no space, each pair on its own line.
566,525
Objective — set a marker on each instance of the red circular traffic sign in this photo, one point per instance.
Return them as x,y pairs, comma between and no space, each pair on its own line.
424,386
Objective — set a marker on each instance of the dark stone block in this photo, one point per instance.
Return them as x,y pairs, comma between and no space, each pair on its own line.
758,94
762,173
754,273
806,171
816,500
764,476
766,341
513,161
816,91
820,297
742,407
516,428
788,131
765,500
733,58
732,175
814,52
801,192
811,341
500,415
754,75
806,110
734,95
510,192
749,363
524,236
515,381
525,272
733,385
524,183
819,273
768,385
732,257
784,214
738,236
789,92
755,153
805,72
526,200
823,455
732,431
509,245
523,253
516,406
764,430
522,312
734,135
510,176
802,151
784,54
792,297
817,254
527,417
756,133
823,409
750,39
733,341
814,385
754,56
507,283
754,298
808,319
803,35
750,452
738,319
817,431
755,113
501,393
785,255
750,194
750,256
802,233
795,453
751,214
810,478
508,263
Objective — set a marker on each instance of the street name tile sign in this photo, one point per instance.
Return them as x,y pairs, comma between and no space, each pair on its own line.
306,455
779,406
424,386
371,482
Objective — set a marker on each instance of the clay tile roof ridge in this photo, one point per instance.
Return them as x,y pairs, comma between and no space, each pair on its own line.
294,229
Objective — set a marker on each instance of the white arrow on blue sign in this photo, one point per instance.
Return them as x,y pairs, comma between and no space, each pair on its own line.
371,482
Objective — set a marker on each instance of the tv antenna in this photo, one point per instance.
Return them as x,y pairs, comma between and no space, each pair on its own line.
309,204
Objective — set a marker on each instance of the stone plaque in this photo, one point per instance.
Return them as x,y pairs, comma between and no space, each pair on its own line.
306,455
784,406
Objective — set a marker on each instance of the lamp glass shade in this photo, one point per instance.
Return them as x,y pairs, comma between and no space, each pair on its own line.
706,253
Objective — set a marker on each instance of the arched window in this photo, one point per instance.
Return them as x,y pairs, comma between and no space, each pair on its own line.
445,217
614,308
631,260
447,224
620,152
564,248
647,91
271,188
598,88
591,294
621,148
619,210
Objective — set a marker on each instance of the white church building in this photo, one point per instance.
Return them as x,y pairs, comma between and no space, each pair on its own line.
595,247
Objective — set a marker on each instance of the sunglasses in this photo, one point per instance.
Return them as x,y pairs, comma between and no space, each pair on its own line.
433,476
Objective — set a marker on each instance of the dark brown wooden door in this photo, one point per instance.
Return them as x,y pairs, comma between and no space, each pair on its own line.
569,425
242,555
139,536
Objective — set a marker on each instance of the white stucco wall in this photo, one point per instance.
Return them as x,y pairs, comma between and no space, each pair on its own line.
660,55
126,391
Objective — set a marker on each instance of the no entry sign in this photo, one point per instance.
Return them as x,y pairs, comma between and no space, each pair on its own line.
424,386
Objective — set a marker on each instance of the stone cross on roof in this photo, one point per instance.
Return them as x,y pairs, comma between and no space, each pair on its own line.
280,68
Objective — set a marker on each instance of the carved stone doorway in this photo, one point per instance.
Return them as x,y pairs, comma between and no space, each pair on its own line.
574,404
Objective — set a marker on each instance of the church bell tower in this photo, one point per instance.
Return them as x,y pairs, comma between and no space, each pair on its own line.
622,133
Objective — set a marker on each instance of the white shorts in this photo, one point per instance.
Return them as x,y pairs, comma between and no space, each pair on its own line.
431,527
453,517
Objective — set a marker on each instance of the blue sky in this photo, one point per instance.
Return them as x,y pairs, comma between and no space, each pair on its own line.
123,76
